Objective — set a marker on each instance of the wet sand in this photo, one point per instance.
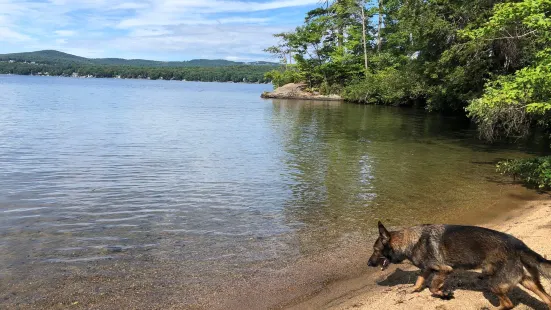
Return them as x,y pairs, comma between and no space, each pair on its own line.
389,289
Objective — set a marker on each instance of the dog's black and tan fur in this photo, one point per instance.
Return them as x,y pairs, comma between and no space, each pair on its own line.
439,249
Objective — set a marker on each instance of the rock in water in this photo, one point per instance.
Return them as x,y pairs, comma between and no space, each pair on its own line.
297,91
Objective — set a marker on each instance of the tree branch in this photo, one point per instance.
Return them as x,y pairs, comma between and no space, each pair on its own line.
512,37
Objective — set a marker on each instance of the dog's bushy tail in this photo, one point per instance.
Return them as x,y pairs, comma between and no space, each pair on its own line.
534,261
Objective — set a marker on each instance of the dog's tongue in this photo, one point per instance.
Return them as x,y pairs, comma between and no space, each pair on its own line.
386,262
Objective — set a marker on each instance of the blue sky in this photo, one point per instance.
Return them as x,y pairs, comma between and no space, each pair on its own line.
149,29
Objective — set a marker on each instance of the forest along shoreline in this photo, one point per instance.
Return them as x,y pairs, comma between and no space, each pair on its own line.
55,63
488,60
389,289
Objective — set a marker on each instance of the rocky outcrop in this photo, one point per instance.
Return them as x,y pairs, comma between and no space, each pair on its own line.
297,91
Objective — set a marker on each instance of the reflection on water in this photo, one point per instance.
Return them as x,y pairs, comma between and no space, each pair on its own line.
119,190
353,165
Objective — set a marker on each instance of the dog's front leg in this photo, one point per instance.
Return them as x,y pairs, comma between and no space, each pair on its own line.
420,283
438,283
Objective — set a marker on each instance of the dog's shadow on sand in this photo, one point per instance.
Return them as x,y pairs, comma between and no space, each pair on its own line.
465,280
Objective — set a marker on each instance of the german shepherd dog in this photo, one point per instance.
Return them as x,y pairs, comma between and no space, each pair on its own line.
439,249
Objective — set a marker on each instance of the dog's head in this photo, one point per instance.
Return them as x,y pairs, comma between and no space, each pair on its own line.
382,251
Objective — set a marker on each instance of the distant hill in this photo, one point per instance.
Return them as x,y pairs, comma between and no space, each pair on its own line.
52,57
54,63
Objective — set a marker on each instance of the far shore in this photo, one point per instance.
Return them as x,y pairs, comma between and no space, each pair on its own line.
120,78
388,289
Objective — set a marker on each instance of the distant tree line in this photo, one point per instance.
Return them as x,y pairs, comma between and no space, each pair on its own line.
236,73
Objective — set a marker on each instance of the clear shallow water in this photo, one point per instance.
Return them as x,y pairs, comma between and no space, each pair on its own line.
200,185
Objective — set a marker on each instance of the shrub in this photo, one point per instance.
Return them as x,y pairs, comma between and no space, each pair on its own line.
326,89
532,171
280,78
388,86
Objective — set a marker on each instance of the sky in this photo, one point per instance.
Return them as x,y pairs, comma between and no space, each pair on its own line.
149,29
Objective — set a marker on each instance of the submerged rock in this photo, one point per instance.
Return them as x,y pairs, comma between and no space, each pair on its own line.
112,249
297,91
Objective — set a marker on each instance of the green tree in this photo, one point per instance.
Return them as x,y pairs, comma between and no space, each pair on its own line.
330,49
512,102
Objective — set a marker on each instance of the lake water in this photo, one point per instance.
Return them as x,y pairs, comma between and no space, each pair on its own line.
158,194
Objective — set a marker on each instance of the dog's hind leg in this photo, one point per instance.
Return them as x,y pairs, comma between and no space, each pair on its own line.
535,286
506,276
419,284
487,271
501,292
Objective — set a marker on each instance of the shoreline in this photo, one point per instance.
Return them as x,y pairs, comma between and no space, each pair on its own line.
139,79
339,279
387,289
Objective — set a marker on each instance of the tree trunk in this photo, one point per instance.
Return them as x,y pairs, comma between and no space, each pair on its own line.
363,35
379,39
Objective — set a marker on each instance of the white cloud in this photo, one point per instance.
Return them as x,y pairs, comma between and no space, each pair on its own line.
6,34
80,3
208,41
216,6
65,33
176,12
158,29
3,20
137,23
242,20
130,6
149,32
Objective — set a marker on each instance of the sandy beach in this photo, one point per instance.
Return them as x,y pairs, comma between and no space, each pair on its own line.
389,289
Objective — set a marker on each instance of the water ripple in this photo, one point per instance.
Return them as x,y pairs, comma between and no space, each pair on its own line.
217,180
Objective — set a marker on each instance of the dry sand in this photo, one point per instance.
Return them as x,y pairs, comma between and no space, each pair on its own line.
389,289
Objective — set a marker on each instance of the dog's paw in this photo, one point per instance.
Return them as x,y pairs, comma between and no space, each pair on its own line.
445,295
414,290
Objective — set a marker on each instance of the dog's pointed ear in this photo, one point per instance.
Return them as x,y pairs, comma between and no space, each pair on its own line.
383,233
